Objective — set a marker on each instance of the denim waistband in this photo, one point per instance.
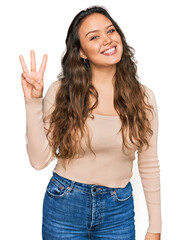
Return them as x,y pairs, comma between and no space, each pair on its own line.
87,187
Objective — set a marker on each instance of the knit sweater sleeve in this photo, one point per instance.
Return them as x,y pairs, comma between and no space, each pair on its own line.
149,170
37,145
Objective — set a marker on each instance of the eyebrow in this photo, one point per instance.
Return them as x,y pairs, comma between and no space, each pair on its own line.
97,30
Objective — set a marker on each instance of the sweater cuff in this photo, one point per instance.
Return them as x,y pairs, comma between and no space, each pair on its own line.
155,219
33,100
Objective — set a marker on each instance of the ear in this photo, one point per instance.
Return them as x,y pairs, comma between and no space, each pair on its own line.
82,54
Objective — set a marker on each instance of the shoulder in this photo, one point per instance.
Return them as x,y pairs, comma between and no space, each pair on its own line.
149,93
55,85
150,99
52,90
148,90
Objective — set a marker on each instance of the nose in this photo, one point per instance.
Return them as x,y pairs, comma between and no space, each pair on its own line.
106,40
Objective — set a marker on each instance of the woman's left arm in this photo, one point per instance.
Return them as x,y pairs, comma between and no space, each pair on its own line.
149,170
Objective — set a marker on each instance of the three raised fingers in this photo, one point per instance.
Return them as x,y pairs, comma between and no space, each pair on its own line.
33,63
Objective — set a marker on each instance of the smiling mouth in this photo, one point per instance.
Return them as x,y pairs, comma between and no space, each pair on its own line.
110,51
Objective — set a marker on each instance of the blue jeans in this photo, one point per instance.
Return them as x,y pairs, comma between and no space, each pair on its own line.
78,211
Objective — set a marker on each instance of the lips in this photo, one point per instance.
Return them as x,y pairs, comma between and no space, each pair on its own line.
109,50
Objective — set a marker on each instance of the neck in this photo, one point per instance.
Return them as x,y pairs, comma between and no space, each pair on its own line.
102,77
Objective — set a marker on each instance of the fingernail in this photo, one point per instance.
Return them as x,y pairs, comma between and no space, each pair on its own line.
28,79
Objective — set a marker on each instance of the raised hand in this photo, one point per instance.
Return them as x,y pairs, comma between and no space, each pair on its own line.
32,82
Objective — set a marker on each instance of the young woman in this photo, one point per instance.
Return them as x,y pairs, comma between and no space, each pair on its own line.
92,120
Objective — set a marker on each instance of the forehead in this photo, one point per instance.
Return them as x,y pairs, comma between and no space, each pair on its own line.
95,21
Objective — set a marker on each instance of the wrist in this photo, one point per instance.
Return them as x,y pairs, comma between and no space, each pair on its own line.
153,236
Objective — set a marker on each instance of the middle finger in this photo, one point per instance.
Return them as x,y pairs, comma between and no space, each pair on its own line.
32,61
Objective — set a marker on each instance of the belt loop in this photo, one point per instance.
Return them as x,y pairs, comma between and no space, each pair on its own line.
71,186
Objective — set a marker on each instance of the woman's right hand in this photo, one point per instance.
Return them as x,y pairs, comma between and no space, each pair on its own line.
32,82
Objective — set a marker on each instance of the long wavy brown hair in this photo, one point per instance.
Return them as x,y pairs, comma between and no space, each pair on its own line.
68,119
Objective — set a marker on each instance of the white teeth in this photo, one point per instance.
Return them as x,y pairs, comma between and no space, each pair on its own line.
110,50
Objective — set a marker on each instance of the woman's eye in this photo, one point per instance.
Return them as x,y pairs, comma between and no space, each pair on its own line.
112,30
94,37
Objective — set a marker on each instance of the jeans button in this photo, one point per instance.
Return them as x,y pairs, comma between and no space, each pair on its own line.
94,189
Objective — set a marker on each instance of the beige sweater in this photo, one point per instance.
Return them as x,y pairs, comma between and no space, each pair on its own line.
111,167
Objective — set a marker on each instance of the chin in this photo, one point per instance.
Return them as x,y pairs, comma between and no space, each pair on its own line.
108,63
114,61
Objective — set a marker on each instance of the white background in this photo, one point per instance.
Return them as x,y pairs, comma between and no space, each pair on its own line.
153,29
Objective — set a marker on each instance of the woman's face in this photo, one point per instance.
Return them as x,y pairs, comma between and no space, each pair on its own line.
100,42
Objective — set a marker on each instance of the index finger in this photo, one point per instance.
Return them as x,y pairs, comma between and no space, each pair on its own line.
23,64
